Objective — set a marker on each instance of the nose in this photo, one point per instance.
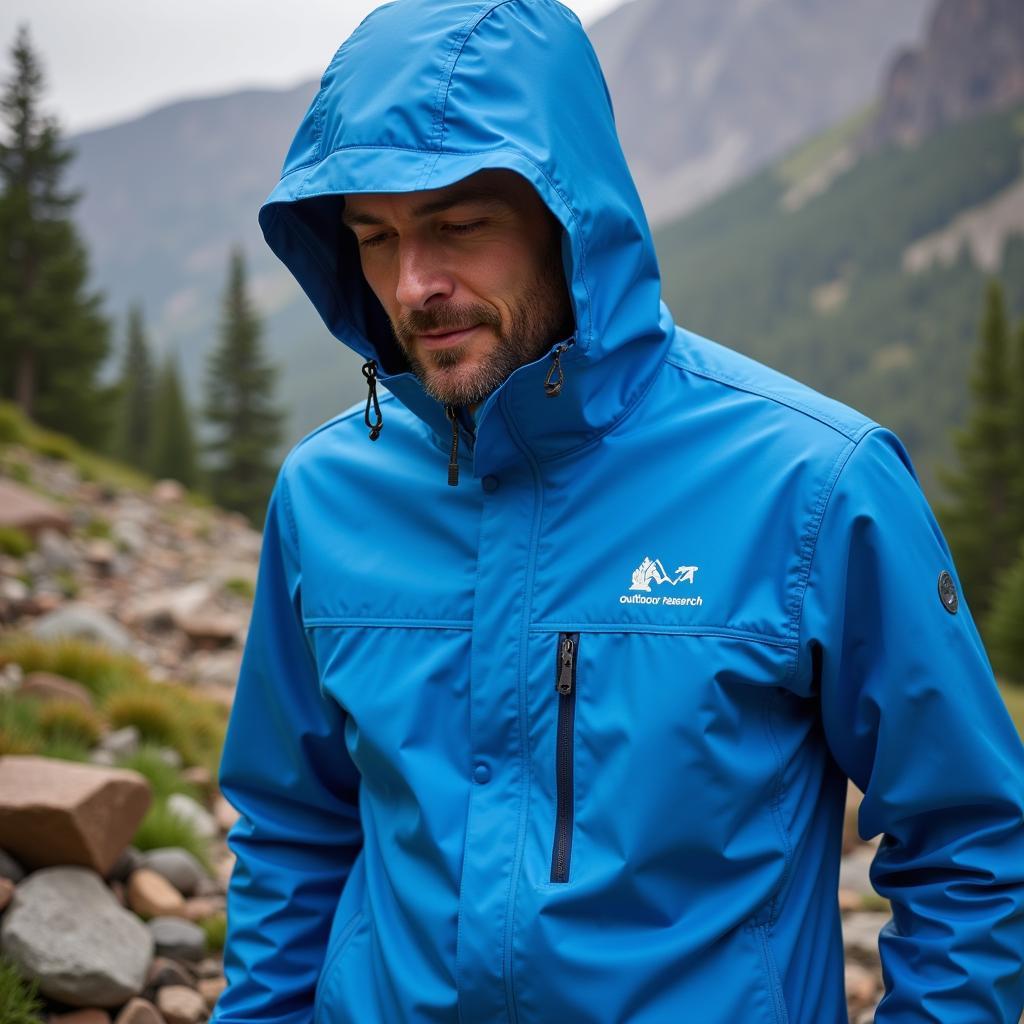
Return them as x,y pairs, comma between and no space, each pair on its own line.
422,278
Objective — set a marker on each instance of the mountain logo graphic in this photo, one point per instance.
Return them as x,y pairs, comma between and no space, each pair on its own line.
647,572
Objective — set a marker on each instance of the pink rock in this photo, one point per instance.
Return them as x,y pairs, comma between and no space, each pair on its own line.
151,895
25,510
181,1005
47,686
62,813
139,1011
81,1017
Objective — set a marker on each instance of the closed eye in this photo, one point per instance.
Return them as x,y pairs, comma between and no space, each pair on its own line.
372,240
464,228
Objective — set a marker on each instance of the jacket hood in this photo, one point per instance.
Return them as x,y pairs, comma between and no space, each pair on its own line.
427,92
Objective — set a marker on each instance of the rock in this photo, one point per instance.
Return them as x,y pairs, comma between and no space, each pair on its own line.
178,939
101,554
168,492
861,987
23,509
139,1011
6,893
854,871
199,776
167,608
83,621
10,868
47,686
103,758
860,936
199,908
851,839
178,866
130,860
181,1005
214,668
211,967
165,971
211,988
59,812
58,553
170,757
208,629
193,812
65,930
224,814
90,1016
151,895
122,742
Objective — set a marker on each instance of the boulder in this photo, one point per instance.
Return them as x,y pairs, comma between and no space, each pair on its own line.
181,1005
65,930
25,510
178,939
151,895
165,971
10,868
6,893
85,622
139,1011
59,812
47,686
178,866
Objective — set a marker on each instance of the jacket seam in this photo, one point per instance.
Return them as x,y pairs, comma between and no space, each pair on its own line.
810,543
775,993
327,622
778,790
618,628
736,383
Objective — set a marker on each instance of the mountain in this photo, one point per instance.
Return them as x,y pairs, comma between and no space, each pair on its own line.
724,85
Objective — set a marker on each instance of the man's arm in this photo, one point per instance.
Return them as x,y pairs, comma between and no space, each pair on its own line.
913,716
286,770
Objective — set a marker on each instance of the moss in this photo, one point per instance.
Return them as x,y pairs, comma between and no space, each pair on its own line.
15,542
216,929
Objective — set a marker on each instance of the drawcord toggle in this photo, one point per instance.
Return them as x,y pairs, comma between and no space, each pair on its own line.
553,384
370,373
453,462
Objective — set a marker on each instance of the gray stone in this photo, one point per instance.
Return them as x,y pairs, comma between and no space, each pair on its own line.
184,807
860,936
10,868
130,860
87,623
139,1011
178,866
66,930
122,742
59,555
178,939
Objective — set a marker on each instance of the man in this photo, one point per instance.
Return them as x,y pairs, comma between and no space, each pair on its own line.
563,733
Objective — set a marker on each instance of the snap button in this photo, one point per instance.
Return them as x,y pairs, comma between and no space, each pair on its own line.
490,484
481,773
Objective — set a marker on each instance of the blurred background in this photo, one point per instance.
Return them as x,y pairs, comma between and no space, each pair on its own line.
836,189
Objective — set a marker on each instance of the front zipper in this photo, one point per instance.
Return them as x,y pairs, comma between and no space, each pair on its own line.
565,685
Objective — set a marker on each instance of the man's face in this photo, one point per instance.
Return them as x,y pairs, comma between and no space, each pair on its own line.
470,276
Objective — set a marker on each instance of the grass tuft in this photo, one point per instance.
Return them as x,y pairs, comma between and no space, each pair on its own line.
65,722
14,542
19,998
161,827
164,779
216,929
151,711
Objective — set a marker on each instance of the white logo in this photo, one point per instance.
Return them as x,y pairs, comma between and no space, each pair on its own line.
648,570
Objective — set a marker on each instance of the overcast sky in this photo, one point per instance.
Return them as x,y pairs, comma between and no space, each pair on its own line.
108,60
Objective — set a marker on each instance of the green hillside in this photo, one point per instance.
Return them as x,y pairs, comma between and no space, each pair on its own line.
820,293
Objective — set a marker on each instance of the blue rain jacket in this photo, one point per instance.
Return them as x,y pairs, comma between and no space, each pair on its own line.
570,741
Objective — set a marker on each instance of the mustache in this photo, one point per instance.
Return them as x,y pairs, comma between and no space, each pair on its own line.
449,317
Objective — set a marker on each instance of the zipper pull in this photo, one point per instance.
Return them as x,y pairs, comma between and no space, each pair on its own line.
554,387
453,462
564,682
370,373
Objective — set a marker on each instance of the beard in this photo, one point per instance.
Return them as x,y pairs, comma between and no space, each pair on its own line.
538,317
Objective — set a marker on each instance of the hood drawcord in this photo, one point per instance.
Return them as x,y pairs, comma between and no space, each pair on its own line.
370,373
453,462
552,388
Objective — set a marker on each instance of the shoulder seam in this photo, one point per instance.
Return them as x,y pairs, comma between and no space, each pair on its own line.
853,435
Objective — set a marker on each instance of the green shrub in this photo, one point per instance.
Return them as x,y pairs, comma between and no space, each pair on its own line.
14,542
216,929
99,670
64,750
164,778
150,710
11,429
54,446
19,727
19,1001
161,828
241,587
64,721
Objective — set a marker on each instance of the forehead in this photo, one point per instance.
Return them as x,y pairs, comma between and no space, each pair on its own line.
494,187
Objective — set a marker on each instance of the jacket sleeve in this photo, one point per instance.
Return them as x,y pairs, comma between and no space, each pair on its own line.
913,716
286,770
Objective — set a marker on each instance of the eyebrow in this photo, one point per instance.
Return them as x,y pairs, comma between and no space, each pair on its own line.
469,194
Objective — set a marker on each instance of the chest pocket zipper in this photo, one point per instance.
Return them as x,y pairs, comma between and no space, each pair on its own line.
565,685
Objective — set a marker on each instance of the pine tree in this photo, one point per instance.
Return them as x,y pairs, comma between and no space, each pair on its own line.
172,452
53,338
1004,628
979,519
136,392
240,405
1017,433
